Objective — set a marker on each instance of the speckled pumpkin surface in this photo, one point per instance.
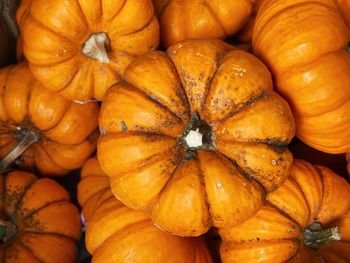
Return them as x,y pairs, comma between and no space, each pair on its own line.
195,135
47,132
306,220
38,224
115,233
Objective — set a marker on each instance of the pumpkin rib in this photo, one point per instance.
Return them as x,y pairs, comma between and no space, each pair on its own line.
22,244
35,20
211,11
59,120
52,234
150,97
94,195
23,193
118,12
32,213
82,12
284,9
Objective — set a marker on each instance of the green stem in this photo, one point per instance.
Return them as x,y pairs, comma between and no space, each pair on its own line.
28,138
315,236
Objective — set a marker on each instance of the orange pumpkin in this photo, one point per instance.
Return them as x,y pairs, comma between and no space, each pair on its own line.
304,43
38,223
80,48
184,19
306,220
191,132
45,130
344,7
115,233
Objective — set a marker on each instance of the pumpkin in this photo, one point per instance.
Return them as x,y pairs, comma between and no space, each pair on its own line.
344,7
80,48
192,134
115,233
304,45
38,223
306,220
47,132
185,19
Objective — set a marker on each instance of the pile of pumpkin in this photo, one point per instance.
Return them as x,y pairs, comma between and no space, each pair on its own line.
176,132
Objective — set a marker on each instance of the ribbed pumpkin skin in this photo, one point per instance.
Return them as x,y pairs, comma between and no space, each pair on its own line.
303,43
274,234
143,122
344,7
48,225
68,130
186,19
54,32
117,234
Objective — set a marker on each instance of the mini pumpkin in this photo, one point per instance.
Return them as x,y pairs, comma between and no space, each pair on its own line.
80,48
38,223
47,132
304,45
195,135
117,234
185,19
306,220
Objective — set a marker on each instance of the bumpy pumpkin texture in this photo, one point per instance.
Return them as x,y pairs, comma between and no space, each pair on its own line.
117,234
195,136
38,224
344,7
304,43
40,129
288,228
80,48
186,19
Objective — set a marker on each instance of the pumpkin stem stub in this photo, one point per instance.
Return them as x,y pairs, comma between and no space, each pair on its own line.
197,134
8,230
315,236
97,47
28,138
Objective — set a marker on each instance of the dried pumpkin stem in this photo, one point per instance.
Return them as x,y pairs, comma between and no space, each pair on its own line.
97,47
28,138
8,230
315,236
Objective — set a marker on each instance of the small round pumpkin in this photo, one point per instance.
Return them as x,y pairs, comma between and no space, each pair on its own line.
195,135
185,19
304,43
80,48
38,223
47,132
306,220
115,233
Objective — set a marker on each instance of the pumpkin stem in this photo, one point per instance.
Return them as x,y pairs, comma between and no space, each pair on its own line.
197,134
8,230
28,138
315,236
97,47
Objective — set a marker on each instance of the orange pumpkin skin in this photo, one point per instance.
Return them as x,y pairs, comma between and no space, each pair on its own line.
146,126
115,233
41,223
307,56
185,19
275,233
67,130
344,7
80,48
